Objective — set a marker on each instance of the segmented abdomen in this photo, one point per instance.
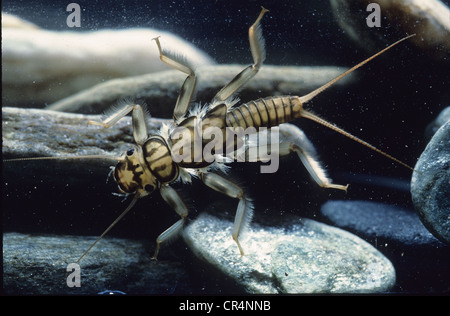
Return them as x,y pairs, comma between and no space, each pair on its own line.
267,112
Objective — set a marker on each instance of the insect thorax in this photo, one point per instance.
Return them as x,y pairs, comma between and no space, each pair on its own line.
159,160
194,140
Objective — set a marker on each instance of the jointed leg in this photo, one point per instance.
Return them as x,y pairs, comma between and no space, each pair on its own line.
140,130
173,199
258,53
188,87
299,143
244,210
290,139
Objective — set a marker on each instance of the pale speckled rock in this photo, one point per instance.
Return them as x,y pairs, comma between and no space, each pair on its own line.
306,257
428,19
430,186
41,66
160,91
37,265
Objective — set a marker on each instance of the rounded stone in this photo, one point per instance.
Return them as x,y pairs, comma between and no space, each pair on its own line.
304,257
57,64
430,185
382,221
38,264
427,19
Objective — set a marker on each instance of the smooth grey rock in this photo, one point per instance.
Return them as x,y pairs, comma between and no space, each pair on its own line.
37,265
373,220
160,91
306,257
428,19
420,259
430,185
42,66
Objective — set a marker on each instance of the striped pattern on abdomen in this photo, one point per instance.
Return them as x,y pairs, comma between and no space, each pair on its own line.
267,112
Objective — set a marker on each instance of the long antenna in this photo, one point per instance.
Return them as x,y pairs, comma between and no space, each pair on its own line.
136,197
321,121
319,90
114,158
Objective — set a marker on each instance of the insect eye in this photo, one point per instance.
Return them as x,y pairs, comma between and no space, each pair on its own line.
130,152
149,188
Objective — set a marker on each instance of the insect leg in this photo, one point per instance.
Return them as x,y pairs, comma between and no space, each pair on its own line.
262,146
244,210
173,199
294,140
188,87
140,130
258,53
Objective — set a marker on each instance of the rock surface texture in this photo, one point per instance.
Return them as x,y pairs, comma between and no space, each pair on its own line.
38,265
308,257
430,186
56,64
